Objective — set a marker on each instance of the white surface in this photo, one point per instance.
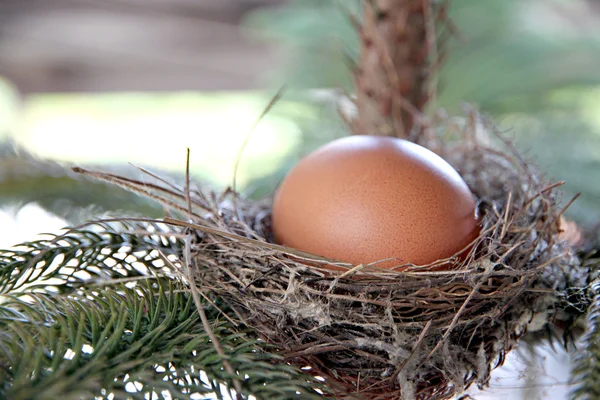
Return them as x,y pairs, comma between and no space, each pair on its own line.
540,373
26,223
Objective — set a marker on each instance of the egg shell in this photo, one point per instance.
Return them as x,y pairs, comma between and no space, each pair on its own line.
362,198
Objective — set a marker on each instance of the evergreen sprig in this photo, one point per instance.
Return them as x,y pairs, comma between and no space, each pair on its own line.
586,369
101,252
122,338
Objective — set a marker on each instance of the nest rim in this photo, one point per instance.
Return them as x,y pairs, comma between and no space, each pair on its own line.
408,333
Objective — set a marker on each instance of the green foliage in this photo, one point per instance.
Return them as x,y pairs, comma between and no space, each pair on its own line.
586,371
116,320
102,254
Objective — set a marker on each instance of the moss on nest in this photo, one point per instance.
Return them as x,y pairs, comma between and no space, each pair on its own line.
380,334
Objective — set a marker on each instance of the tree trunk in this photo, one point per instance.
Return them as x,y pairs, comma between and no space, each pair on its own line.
392,80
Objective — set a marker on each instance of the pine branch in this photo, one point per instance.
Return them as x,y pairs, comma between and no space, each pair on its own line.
98,312
91,344
586,370
102,252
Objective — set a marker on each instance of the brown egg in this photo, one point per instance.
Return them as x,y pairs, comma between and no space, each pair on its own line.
362,199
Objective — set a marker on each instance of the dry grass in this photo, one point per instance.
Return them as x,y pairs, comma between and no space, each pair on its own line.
380,334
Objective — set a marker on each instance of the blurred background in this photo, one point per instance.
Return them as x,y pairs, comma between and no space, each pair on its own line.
120,84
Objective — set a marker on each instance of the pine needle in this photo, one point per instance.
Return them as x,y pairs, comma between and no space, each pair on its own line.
586,371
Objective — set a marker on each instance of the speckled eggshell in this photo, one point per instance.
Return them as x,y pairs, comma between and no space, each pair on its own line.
362,199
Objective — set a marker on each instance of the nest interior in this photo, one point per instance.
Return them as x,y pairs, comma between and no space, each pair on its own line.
380,334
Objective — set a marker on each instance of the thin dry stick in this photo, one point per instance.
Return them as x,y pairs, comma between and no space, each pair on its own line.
455,319
166,260
136,187
204,318
420,339
505,219
432,50
194,289
187,181
171,185
158,178
285,250
569,204
297,254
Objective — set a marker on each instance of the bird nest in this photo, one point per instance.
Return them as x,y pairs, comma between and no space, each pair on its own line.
418,332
